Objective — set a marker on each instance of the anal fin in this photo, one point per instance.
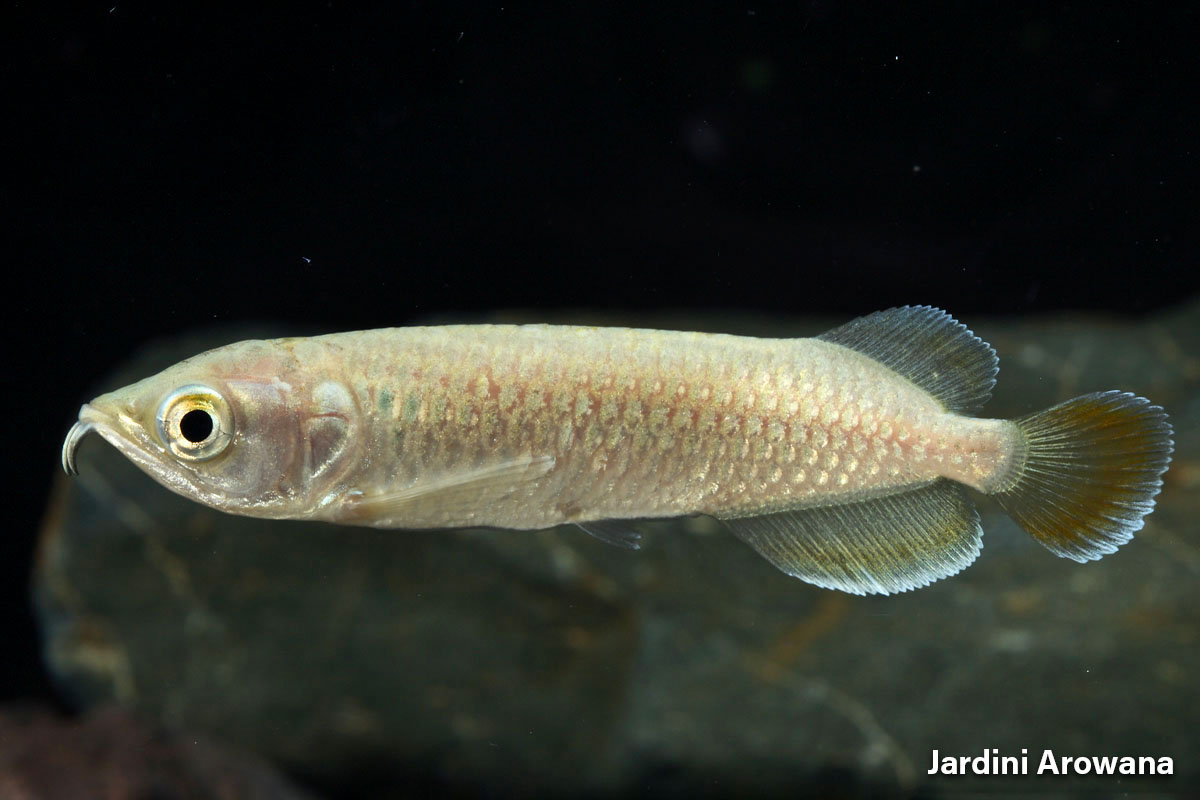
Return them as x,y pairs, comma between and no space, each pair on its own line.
881,546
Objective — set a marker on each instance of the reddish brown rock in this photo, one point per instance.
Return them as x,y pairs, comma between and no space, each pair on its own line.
112,755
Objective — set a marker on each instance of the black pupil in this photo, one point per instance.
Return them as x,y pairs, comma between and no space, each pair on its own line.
196,426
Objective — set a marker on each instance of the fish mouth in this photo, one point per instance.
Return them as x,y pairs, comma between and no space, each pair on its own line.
117,429
89,420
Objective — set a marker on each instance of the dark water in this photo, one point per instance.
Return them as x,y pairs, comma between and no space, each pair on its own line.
741,168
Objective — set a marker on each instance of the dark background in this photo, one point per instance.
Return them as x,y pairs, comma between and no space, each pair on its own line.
336,166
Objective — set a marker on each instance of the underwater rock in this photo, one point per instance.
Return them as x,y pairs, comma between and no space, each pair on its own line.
548,661
113,755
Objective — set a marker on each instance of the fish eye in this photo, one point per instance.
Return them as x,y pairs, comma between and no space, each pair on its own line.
194,423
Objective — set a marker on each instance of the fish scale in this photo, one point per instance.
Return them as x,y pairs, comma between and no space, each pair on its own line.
746,425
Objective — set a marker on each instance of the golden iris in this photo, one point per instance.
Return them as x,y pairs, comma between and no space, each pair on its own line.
194,423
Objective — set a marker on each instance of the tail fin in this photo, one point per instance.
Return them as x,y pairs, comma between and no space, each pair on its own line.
1092,467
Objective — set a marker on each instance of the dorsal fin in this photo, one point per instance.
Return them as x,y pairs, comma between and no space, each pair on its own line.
930,348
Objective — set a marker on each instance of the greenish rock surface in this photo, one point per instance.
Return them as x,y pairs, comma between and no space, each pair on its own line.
550,662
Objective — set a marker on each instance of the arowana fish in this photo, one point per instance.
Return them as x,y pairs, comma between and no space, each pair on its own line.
844,459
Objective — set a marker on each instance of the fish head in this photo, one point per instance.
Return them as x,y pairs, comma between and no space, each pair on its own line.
243,429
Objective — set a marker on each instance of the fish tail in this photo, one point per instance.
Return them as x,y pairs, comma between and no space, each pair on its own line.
1087,472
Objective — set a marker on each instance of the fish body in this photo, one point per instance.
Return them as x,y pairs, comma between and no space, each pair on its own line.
842,459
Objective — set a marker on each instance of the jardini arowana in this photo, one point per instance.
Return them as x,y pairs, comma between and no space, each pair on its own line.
844,459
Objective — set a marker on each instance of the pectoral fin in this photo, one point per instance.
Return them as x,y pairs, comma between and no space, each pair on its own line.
449,498
881,546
